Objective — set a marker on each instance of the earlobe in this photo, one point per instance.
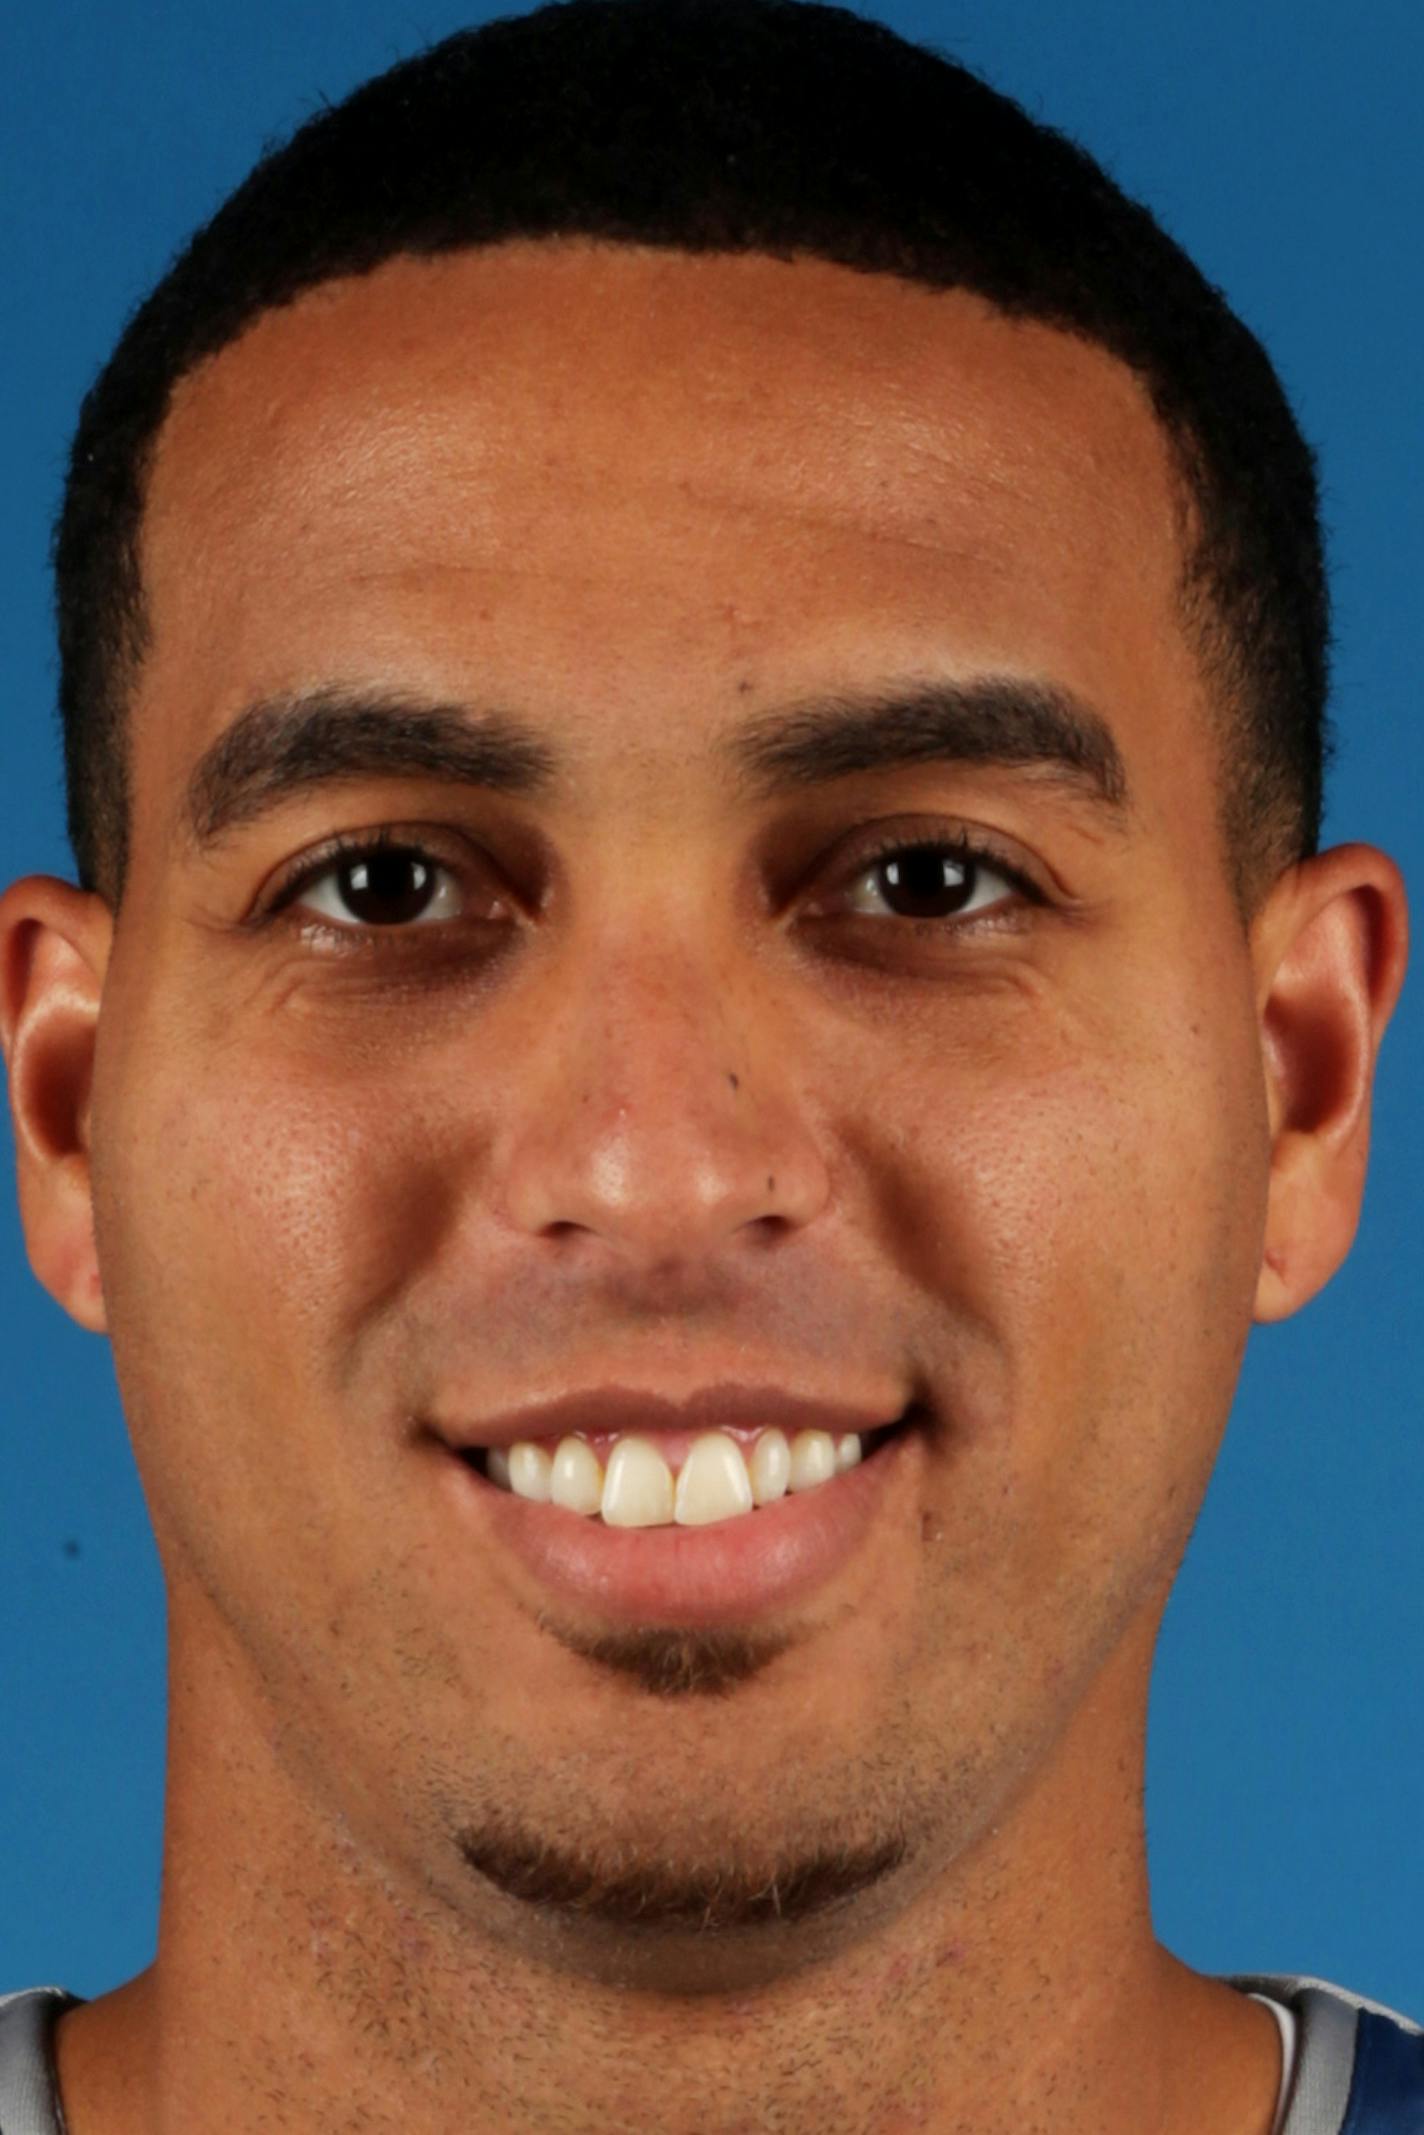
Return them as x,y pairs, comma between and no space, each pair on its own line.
1334,954
54,951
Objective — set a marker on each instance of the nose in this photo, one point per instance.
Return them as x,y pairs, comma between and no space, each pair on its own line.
661,1111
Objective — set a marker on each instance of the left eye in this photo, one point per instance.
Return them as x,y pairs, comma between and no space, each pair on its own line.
918,881
380,886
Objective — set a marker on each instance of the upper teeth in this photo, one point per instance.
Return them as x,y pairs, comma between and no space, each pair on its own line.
715,1481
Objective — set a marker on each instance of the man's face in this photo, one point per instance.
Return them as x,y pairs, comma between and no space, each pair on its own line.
662,1090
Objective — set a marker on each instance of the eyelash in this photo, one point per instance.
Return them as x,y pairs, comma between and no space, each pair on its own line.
966,852
342,851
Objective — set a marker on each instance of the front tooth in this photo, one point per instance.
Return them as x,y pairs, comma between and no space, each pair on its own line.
770,1466
637,1489
577,1480
529,1467
713,1483
813,1459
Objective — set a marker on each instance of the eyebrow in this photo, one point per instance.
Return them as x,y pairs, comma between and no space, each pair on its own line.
286,745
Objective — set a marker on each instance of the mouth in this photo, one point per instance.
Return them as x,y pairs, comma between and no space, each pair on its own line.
714,1528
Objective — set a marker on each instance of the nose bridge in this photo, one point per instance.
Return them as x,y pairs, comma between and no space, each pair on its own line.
658,1109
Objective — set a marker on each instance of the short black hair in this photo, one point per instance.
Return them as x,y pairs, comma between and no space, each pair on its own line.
781,127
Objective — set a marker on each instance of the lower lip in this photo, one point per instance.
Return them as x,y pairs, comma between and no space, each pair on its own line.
727,1572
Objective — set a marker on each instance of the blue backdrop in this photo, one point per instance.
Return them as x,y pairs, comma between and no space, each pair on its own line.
1281,143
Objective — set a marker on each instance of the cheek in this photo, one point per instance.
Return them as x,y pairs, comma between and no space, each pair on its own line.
333,1199
1057,1177
250,1223
1092,1233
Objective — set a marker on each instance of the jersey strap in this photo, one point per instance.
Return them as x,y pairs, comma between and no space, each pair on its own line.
1387,2091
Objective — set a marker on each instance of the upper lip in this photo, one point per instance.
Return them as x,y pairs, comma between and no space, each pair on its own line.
712,1408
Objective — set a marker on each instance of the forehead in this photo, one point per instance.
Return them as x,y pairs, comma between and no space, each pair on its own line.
582,466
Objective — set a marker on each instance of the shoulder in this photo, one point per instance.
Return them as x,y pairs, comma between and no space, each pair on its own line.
28,2099
1359,2066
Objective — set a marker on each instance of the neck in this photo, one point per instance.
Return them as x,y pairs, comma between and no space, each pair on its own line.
1016,1983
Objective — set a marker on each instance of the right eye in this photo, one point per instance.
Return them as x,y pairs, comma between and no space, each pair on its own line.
381,886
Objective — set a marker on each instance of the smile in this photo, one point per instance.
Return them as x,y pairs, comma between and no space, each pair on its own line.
635,1480
620,1547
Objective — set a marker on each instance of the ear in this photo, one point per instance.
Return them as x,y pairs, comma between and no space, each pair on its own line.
54,951
1330,950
